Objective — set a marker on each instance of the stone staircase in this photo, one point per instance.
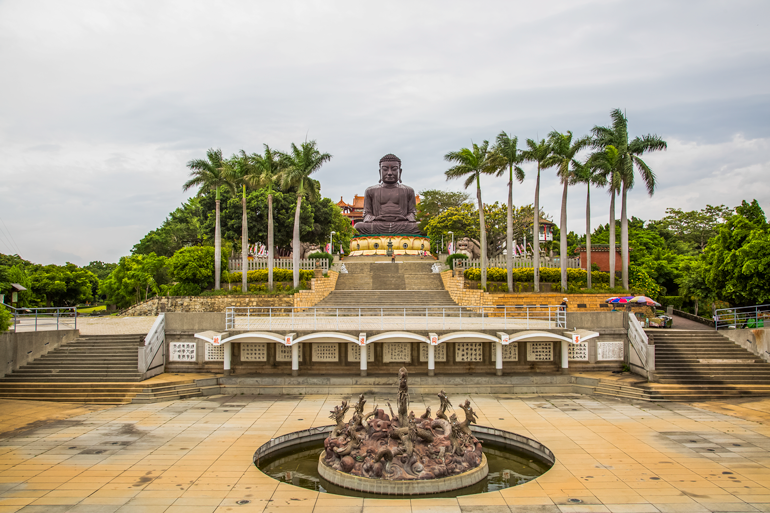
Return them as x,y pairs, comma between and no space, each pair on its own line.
407,284
697,365
91,358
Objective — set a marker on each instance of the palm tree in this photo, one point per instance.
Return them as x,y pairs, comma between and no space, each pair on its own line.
564,151
209,174
510,156
542,154
264,171
628,152
588,174
299,164
607,162
471,164
236,170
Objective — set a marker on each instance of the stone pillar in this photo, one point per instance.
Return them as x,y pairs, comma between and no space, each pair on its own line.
431,360
564,354
228,349
295,360
499,358
364,355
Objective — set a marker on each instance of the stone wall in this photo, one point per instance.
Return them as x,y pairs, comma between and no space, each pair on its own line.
755,340
475,297
17,349
320,288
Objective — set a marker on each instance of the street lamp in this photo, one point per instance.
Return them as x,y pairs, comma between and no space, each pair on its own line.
331,243
453,240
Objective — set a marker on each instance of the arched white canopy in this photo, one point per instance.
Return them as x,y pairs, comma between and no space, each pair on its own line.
397,335
326,334
257,336
467,334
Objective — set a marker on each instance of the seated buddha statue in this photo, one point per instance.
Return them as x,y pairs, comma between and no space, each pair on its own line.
389,207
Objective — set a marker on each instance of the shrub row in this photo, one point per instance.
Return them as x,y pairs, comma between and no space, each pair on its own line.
450,260
260,275
320,254
527,274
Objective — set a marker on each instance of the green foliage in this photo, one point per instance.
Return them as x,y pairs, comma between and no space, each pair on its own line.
434,202
6,319
527,274
260,275
462,220
20,275
675,301
697,227
193,265
326,256
185,289
135,278
100,269
450,260
641,283
737,260
183,227
64,285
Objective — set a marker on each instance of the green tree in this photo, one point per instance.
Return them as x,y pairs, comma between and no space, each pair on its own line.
210,174
471,164
589,175
542,154
236,170
565,151
183,227
607,162
462,221
693,281
695,228
509,156
434,202
737,260
629,158
193,269
22,276
265,171
134,275
65,285
100,269
299,164
6,319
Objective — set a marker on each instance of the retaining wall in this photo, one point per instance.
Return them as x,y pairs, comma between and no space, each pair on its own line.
755,340
17,349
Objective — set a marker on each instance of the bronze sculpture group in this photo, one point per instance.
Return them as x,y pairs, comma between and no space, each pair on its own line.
402,447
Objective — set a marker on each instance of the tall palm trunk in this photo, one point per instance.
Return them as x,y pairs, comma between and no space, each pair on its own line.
536,233
588,235
563,238
295,243
624,237
509,235
611,247
483,227
217,249
270,241
244,248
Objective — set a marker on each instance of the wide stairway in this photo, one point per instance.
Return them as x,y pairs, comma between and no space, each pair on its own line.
92,369
695,365
407,284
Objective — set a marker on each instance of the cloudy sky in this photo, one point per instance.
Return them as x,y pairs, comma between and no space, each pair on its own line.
102,103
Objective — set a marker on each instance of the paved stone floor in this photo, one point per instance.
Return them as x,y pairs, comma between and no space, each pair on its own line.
195,456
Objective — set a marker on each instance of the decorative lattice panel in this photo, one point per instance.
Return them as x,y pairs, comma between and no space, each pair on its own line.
215,353
283,352
539,351
183,351
397,352
610,350
354,353
254,352
326,352
510,353
469,351
577,352
439,354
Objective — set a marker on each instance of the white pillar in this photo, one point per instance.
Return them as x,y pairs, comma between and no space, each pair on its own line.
431,360
364,351
499,358
228,357
564,354
295,360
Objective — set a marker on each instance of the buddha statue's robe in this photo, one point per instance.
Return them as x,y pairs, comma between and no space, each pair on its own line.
389,209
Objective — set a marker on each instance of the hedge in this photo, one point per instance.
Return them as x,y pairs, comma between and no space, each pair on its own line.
260,275
527,274
320,254
454,256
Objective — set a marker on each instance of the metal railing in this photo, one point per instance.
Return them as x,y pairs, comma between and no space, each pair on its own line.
153,342
757,316
38,319
395,318
518,263
640,343
308,264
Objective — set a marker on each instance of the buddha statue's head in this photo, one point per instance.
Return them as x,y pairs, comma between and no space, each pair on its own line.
390,169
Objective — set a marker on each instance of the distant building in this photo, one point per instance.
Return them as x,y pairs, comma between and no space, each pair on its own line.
600,255
355,211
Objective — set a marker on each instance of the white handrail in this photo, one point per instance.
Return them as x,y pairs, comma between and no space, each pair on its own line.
640,343
306,264
152,343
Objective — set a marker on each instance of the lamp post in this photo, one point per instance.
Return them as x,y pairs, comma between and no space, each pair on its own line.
453,240
331,243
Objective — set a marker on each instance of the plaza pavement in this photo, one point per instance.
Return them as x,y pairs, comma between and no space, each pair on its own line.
195,456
